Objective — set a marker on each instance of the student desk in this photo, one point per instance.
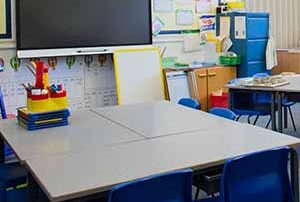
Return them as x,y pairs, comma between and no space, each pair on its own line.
161,119
86,131
292,90
74,174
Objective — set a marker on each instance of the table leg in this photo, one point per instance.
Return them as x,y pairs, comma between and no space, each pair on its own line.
2,152
273,110
295,173
279,102
229,99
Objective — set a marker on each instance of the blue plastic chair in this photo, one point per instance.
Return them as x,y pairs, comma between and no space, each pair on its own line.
249,104
2,106
286,104
11,175
223,112
170,187
191,103
259,177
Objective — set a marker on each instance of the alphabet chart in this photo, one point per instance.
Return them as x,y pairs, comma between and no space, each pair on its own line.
89,80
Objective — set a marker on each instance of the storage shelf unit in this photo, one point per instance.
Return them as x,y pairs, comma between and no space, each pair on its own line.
252,47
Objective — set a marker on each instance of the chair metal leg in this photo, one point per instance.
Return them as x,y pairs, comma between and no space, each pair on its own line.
269,122
238,117
197,193
285,117
249,119
292,118
256,119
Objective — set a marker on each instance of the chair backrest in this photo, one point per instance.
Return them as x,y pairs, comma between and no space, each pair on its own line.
259,177
170,187
261,75
262,97
223,112
191,103
2,106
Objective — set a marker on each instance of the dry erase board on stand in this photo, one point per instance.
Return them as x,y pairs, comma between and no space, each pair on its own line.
139,76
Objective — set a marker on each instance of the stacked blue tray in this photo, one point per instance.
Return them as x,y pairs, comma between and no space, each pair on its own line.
36,121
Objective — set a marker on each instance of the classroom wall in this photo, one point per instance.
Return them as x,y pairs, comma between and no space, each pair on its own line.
88,85
285,20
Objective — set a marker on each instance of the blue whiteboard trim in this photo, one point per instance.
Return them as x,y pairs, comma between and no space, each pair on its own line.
8,34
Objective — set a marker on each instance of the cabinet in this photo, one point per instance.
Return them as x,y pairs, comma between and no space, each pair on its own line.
288,61
250,43
208,80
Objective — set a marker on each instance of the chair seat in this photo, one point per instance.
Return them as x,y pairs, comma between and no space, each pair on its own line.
18,195
12,175
288,104
214,199
241,112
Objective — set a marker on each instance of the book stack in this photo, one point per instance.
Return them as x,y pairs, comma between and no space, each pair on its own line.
36,121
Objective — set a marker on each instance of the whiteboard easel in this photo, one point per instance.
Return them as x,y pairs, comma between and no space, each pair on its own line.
139,76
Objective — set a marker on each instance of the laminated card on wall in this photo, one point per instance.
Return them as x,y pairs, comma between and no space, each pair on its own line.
240,27
163,6
184,17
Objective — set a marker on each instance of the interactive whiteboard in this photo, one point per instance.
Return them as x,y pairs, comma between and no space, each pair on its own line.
139,76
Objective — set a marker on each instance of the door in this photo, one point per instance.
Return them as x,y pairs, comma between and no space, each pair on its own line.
200,87
218,77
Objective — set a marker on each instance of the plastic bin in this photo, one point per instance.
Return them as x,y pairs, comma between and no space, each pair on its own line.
230,61
219,101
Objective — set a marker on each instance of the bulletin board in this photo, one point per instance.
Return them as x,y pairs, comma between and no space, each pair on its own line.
180,16
5,19
139,76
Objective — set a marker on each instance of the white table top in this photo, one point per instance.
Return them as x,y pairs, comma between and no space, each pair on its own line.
87,130
161,118
292,87
78,174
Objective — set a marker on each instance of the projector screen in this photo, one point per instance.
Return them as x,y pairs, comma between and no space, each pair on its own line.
81,26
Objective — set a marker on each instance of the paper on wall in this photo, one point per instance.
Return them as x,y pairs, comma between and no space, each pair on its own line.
184,17
227,44
207,24
192,43
203,6
240,27
185,1
157,26
225,26
163,6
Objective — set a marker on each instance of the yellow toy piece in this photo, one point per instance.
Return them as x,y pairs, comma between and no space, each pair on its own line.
46,105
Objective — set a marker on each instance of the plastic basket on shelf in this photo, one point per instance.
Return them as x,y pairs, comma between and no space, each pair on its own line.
230,60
